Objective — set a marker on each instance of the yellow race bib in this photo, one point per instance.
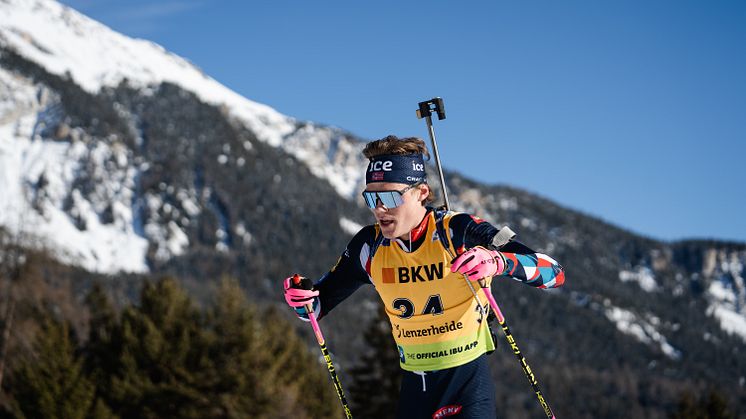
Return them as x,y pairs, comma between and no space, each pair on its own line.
435,319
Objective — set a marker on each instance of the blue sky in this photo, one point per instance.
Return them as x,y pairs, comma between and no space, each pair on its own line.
632,111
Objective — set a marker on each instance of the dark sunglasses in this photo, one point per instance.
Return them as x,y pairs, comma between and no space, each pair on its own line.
389,199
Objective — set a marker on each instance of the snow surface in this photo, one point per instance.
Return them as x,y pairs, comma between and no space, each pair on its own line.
643,276
168,238
644,331
724,305
37,214
349,226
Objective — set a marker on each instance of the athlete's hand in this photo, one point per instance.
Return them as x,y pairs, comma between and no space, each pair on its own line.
479,262
299,291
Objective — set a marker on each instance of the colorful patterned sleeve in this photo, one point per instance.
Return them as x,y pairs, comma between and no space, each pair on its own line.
535,269
523,264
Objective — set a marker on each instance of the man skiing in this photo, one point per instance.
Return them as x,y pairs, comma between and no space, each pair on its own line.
417,258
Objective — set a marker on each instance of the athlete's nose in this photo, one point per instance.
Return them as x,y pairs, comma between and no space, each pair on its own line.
379,204
380,210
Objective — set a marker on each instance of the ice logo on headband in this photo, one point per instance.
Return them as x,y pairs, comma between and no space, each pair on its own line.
381,165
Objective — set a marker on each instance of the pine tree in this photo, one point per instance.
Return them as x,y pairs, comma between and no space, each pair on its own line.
262,369
303,386
99,354
166,358
377,377
240,382
101,325
51,382
158,348
13,260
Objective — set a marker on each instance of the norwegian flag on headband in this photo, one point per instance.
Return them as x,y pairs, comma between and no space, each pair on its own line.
376,176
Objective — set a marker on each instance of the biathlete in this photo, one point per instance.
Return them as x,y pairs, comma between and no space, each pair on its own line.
440,329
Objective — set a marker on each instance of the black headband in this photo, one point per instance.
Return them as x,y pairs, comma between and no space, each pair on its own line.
396,168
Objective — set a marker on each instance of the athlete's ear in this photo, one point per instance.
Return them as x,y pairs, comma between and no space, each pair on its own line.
424,191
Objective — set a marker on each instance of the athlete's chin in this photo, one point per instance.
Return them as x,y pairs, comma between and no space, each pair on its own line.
389,234
389,230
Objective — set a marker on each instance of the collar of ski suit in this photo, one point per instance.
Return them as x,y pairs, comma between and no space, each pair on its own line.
416,234
418,231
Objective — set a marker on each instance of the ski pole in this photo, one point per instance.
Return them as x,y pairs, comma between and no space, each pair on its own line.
325,352
514,346
425,110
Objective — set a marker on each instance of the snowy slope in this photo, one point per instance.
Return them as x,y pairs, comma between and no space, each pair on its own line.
727,292
64,42
27,161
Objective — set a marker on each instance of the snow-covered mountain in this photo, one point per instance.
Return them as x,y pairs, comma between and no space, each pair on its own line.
63,42
116,155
